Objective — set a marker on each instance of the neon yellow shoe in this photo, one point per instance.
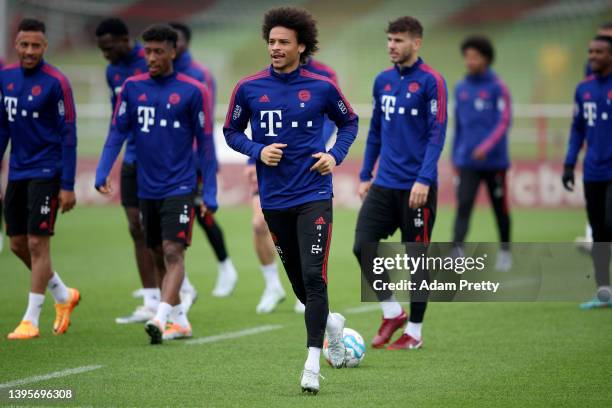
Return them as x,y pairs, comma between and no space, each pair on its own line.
25,331
175,331
64,310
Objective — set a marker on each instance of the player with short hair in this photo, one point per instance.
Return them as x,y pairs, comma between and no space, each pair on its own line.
126,59
185,64
592,122
39,120
274,293
286,106
166,112
406,137
480,147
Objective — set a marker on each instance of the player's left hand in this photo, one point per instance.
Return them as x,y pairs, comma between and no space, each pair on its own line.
325,165
67,200
418,195
203,209
479,154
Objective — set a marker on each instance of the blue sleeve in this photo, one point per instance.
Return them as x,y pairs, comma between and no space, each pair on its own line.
436,129
113,97
112,148
236,121
577,133
372,149
339,110
251,162
66,125
203,125
121,115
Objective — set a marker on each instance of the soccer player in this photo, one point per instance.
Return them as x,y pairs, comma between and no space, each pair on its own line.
286,106
264,247
592,121
480,147
185,64
406,136
39,120
166,112
126,58
1,207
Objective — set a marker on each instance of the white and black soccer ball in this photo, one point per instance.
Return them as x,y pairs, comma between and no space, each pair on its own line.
355,348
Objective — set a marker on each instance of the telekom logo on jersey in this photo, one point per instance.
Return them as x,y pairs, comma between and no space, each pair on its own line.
273,119
590,112
10,103
146,118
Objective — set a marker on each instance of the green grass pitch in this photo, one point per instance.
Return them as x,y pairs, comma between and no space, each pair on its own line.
505,354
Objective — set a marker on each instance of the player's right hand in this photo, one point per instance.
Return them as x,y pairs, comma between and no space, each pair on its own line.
272,154
568,178
364,188
106,188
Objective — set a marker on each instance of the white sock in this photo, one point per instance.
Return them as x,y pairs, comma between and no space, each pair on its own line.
186,286
179,316
227,267
313,360
391,309
151,297
35,303
163,311
58,289
270,274
414,330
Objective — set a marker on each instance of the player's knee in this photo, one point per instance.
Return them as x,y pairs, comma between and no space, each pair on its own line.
136,230
19,245
173,253
260,227
37,245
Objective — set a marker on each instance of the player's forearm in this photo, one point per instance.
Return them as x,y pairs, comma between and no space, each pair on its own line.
345,138
109,155
573,149
69,162
208,166
430,163
371,154
238,141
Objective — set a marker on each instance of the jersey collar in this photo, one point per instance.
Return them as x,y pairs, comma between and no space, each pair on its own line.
288,76
403,71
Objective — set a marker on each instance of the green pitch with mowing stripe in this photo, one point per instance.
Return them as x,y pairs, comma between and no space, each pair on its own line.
506,354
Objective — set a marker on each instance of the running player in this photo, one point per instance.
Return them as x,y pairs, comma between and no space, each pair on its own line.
592,114
286,106
126,58
480,147
166,112
185,64
39,120
264,247
406,137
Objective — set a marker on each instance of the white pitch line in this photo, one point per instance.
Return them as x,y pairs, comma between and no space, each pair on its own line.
234,335
362,309
56,374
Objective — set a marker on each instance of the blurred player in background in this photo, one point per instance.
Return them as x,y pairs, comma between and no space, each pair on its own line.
167,112
185,64
39,120
480,147
264,247
593,123
286,106
586,242
406,137
126,58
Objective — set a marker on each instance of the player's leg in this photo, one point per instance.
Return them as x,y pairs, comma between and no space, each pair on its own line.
226,276
416,226
498,193
144,259
314,232
177,215
377,220
469,181
598,197
273,293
